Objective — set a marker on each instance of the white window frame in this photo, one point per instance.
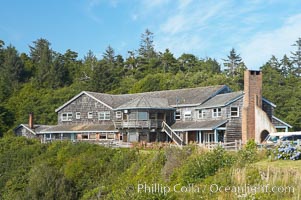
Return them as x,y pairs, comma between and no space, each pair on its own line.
178,115
216,112
104,115
67,117
187,114
118,114
90,115
77,115
201,114
237,112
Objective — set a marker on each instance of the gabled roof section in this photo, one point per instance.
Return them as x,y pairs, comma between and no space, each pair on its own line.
93,95
146,103
36,129
222,100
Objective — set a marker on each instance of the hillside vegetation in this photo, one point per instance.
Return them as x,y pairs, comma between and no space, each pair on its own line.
65,170
45,79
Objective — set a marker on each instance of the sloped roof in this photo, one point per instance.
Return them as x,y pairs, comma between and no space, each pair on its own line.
187,96
197,125
222,100
147,103
276,120
37,128
174,97
80,128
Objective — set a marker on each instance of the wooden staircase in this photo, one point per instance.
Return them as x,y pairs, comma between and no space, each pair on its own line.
172,134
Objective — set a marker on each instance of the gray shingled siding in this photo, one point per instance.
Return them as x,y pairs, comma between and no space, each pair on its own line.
277,123
268,109
21,131
85,104
233,131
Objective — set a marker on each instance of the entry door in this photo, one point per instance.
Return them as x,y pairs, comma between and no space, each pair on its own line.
208,137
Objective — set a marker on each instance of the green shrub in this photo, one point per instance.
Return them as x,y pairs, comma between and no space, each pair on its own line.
248,154
206,164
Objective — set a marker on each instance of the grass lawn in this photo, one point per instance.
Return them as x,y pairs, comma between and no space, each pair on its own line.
282,164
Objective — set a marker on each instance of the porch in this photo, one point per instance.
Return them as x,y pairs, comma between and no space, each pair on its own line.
201,132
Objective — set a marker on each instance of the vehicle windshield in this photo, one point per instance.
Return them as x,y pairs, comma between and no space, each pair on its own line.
273,138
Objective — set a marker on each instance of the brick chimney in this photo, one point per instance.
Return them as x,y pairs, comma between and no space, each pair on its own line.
30,121
252,97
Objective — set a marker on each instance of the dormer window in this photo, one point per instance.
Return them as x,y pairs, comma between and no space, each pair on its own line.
216,112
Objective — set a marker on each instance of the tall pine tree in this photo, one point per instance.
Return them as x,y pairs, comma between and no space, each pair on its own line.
296,58
233,64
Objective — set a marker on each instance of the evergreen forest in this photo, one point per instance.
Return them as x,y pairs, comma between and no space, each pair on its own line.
44,79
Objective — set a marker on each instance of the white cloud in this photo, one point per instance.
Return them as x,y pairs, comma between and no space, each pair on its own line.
186,28
259,49
191,18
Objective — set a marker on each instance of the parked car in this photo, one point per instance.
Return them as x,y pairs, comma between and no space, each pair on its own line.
275,138
291,138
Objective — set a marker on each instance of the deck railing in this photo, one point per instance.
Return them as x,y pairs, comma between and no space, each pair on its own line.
152,123
173,135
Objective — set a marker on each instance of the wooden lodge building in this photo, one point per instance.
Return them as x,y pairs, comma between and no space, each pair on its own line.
202,114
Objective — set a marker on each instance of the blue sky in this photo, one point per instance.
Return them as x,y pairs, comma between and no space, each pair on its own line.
257,29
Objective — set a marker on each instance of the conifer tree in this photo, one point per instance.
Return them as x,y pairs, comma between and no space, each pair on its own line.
233,64
296,58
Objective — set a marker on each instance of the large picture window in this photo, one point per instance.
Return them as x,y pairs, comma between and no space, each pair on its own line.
142,115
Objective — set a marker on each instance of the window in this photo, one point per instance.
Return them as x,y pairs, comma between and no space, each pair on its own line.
178,115
217,112
153,115
132,116
142,116
77,115
234,112
90,115
187,114
202,114
118,115
104,115
67,116
92,136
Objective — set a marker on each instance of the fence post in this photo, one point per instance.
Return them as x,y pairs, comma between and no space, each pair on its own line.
235,145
